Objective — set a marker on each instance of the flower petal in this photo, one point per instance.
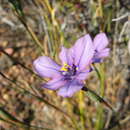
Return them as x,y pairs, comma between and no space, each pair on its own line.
66,56
104,53
63,55
70,88
84,51
99,56
83,74
46,67
100,41
55,83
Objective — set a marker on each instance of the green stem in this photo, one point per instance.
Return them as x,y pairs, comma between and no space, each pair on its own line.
96,97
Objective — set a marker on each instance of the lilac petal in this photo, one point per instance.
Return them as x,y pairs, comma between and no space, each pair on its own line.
100,41
46,67
63,55
84,74
70,88
99,56
66,56
84,51
103,53
55,83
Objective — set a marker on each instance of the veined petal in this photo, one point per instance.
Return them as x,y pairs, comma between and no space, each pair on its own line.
83,51
99,56
55,83
70,88
46,67
66,56
63,55
100,41
83,74
104,53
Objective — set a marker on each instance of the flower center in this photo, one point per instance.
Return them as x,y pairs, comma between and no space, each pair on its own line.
68,70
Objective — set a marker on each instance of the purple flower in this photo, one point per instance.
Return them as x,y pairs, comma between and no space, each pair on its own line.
76,64
100,43
75,68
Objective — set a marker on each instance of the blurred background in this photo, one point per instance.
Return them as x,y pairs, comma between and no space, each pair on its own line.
31,28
